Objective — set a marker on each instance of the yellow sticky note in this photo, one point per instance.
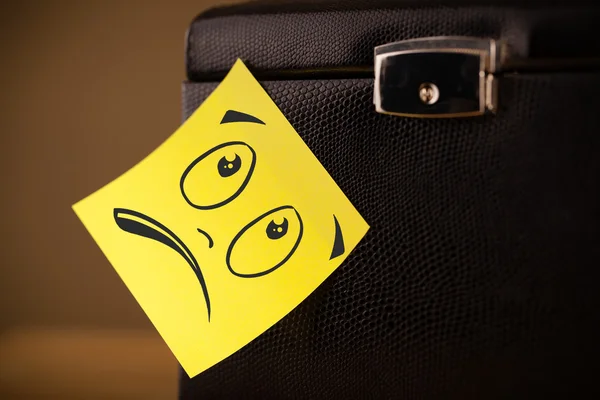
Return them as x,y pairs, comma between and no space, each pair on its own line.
225,227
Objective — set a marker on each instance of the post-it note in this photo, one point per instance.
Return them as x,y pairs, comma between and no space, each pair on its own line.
226,227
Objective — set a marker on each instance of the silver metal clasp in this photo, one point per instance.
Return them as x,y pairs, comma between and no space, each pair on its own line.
439,77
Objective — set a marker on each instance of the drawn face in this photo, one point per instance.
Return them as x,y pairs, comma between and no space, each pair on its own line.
226,227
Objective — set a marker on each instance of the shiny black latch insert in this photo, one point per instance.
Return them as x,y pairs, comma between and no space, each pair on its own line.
439,77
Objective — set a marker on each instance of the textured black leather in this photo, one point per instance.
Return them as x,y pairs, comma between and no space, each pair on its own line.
479,276
334,34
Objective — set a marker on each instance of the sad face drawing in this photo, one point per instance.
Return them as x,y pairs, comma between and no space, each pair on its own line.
226,227
213,180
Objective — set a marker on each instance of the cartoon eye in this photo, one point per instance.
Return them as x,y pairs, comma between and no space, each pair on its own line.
266,243
218,176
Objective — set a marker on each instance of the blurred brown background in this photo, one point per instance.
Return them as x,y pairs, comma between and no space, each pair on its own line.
88,89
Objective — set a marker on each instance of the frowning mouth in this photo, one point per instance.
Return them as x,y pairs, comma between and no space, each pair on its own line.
142,225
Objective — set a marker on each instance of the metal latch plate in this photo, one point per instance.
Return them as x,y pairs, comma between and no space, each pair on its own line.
436,77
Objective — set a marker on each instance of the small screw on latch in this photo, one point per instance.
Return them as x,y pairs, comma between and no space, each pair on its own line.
429,93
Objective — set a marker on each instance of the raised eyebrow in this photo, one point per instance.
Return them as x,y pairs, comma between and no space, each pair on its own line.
236,116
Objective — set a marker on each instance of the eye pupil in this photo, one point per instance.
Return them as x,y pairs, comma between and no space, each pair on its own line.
228,168
277,231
